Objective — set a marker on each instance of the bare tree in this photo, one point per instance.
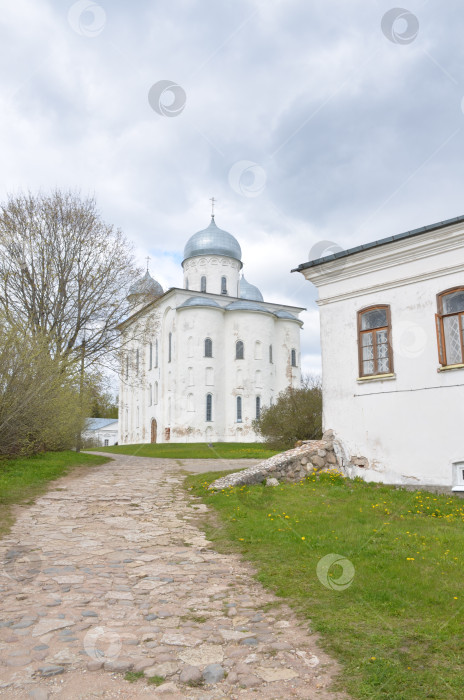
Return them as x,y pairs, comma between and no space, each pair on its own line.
64,273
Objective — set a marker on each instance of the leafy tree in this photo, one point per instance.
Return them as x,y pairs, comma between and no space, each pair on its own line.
296,415
64,273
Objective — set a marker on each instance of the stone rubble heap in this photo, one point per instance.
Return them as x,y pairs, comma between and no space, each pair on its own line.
293,465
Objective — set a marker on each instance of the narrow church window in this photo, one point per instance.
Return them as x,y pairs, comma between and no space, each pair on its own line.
156,392
450,326
239,350
209,407
137,360
208,347
203,283
223,285
127,366
190,406
151,357
258,353
293,357
239,409
375,350
169,347
258,407
156,353
270,354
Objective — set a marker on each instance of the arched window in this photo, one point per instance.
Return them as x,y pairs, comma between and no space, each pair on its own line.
258,407
156,393
374,344
239,409
208,347
293,357
239,350
209,407
169,347
258,351
450,326
270,354
209,378
203,283
223,285
190,403
156,353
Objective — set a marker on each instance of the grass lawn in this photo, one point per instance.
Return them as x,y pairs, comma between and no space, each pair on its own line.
393,614
22,479
195,450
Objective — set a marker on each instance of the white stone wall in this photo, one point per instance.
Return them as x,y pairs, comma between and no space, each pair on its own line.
409,426
213,267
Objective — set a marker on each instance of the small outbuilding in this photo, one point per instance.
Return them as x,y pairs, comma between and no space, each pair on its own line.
101,432
392,342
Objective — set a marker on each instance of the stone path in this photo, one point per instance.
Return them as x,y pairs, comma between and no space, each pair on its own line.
109,572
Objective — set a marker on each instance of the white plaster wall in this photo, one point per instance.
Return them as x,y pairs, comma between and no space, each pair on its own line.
410,427
213,267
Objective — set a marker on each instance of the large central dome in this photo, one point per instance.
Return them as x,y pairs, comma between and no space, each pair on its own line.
213,241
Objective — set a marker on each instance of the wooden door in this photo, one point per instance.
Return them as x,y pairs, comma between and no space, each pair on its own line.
154,430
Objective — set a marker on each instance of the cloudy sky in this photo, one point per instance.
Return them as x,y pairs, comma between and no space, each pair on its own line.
312,123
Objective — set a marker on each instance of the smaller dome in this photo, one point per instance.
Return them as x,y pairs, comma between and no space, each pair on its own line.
286,314
246,306
146,286
200,301
249,291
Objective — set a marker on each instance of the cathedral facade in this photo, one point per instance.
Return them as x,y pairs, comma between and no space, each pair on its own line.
200,362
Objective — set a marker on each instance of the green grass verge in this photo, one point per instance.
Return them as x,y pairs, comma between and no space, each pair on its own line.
397,625
194,450
22,479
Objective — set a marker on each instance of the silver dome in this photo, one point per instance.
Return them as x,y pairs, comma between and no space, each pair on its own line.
146,286
213,241
246,306
200,301
249,291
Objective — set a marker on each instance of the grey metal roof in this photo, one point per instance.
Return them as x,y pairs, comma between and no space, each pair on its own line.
213,241
99,423
382,241
286,314
199,301
249,291
246,306
147,285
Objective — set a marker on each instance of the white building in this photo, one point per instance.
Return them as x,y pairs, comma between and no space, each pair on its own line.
200,362
103,432
392,336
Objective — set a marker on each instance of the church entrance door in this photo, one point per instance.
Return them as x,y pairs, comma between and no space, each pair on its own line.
154,430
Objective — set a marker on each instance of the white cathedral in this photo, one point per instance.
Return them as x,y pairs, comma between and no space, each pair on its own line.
199,363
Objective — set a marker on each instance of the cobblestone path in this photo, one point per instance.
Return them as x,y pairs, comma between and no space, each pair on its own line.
109,572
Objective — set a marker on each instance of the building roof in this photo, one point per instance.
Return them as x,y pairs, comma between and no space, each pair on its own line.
380,242
213,241
200,301
249,291
98,423
146,286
